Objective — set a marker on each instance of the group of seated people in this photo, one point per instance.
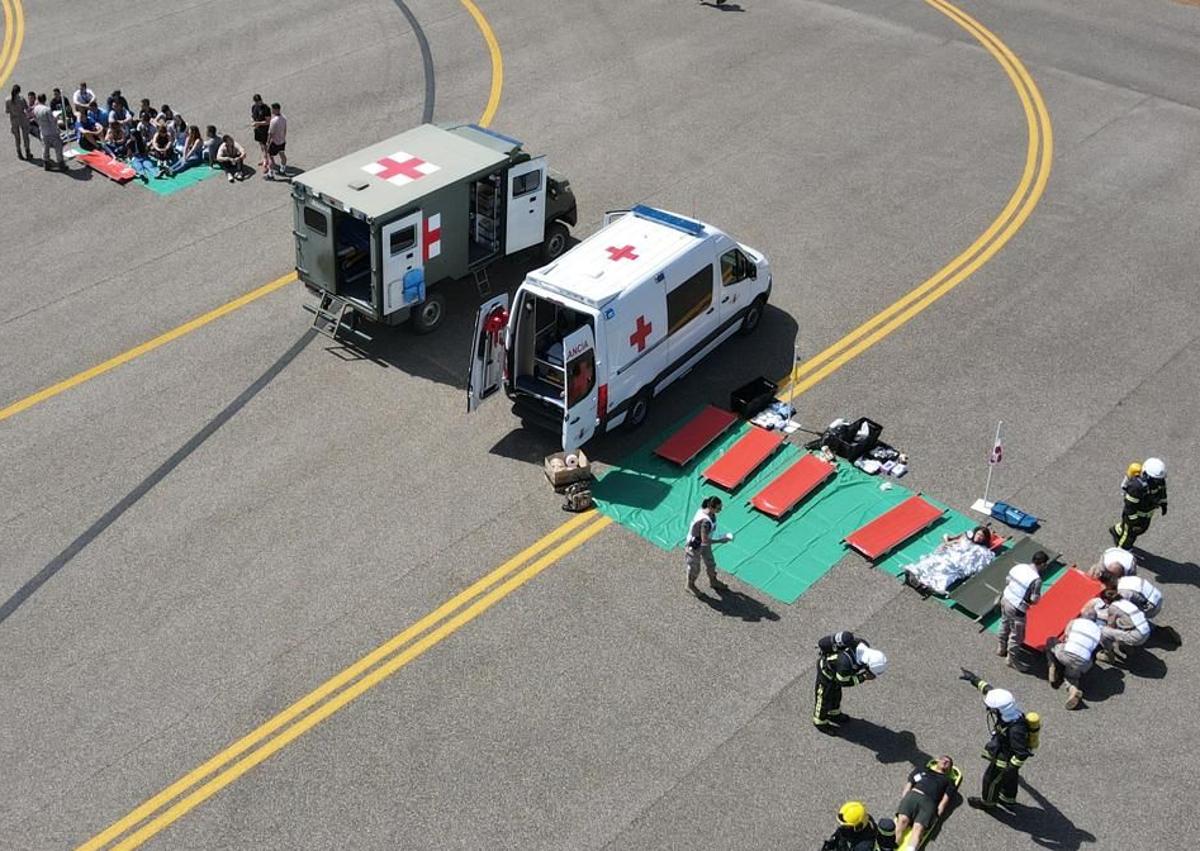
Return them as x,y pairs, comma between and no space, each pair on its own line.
156,142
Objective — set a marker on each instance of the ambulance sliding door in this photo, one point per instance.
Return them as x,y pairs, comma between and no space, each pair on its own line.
579,418
401,248
525,223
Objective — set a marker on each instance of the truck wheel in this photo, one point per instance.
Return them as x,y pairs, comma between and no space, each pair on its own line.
639,410
753,316
556,241
428,315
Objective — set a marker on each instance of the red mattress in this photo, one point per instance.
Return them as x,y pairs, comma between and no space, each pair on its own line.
111,168
700,431
792,485
889,530
744,457
1058,606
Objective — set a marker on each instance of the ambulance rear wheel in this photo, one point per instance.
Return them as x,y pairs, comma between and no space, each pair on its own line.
428,315
556,241
753,316
639,410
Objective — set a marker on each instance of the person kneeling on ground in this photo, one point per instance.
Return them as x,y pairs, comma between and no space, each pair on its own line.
1114,563
162,150
1149,599
925,797
231,156
1070,656
857,831
193,151
1120,622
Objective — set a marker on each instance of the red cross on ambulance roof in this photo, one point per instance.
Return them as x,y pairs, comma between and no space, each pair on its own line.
638,337
625,252
400,168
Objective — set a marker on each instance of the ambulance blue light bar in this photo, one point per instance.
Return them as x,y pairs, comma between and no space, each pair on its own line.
670,220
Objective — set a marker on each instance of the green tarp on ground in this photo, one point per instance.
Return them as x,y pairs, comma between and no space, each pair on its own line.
657,499
176,182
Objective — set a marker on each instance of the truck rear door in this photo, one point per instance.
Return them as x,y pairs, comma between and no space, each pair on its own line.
525,223
579,417
314,243
487,351
401,250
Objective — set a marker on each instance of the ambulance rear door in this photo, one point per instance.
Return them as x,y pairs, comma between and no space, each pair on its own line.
580,415
403,271
488,351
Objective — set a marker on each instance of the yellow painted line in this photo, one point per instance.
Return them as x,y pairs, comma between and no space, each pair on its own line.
493,103
148,346
12,9
332,685
1029,190
14,36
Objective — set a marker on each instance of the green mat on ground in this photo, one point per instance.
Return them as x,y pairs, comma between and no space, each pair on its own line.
176,182
657,499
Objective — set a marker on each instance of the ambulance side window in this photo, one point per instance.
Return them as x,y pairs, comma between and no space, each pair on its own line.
526,183
581,377
733,267
315,221
402,240
689,299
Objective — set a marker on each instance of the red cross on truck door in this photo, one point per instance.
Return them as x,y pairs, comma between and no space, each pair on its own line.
400,168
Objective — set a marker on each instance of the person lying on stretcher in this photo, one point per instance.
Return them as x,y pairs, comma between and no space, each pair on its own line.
956,558
924,799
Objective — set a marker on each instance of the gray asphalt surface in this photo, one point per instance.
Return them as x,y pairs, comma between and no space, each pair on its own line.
225,523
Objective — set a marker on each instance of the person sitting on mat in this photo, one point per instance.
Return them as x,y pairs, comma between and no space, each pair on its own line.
231,156
179,127
91,133
192,152
924,799
116,140
211,142
162,150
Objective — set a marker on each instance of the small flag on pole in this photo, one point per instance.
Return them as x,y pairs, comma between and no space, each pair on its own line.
997,452
984,505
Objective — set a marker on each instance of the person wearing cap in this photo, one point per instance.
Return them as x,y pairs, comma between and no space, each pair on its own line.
1143,494
1007,750
844,661
1114,563
1022,588
1070,656
857,831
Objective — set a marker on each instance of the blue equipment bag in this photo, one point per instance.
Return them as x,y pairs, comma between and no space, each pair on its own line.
1010,515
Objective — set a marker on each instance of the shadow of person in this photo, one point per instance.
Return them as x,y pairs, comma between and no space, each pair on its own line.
735,604
1142,663
1099,684
724,7
1167,572
1045,824
890,747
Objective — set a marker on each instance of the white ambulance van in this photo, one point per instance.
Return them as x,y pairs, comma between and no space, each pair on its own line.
595,335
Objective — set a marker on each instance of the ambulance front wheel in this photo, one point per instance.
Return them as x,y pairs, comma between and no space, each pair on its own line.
753,316
639,410
428,315
556,241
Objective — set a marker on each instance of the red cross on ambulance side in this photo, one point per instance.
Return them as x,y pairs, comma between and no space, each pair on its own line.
638,338
400,168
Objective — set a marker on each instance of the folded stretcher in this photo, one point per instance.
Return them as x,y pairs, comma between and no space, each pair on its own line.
1058,606
743,458
699,432
889,530
786,490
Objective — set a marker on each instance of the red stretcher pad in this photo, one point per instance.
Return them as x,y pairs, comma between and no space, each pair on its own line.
700,431
889,530
792,485
1059,606
744,457
111,168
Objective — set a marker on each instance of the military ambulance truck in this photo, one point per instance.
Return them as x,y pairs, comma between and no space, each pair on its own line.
594,336
379,231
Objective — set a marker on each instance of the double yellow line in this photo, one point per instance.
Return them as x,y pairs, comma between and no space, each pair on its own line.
195,787
1039,154
14,35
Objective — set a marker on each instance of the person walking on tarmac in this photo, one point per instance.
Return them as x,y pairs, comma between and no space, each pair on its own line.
700,540
844,661
1014,737
857,831
1144,493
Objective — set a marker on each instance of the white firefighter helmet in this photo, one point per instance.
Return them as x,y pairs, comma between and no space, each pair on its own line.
872,658
1002,701
1154,468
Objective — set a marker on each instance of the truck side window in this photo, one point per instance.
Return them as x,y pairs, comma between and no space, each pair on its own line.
733,267
402,240
526,183
689,299
581,377
315,221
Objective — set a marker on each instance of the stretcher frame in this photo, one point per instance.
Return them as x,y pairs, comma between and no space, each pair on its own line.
929,517
711,423
739,461
956,777
821,472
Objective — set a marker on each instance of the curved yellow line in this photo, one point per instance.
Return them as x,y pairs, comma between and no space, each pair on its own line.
14,36
493,103
1029,189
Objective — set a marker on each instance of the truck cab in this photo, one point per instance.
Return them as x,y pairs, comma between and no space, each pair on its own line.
378,232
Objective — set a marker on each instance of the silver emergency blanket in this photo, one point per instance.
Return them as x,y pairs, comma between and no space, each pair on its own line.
950,563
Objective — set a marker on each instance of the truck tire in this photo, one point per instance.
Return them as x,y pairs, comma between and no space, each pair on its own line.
555,242
753,316
428,315
639,410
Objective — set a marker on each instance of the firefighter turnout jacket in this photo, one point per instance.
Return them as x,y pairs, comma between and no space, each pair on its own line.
1143,496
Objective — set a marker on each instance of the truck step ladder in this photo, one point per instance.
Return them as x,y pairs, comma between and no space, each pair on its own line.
482,283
